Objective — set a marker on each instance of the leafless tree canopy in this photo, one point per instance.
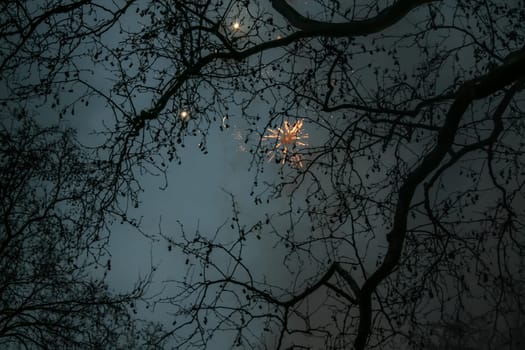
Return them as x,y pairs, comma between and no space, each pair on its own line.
52,243
406,212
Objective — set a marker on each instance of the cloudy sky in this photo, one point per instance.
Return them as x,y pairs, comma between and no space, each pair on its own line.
201,194
197,194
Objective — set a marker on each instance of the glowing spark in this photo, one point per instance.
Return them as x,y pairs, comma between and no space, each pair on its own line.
184,115
236,25
286,140
241,140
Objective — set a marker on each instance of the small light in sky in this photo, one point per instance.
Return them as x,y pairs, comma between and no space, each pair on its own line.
241,139
184,115
236,25
286,139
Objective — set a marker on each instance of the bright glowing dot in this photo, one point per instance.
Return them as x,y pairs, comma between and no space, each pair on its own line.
236,25
286,140
184,115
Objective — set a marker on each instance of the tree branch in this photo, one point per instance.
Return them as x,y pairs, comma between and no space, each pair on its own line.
478,88
384,19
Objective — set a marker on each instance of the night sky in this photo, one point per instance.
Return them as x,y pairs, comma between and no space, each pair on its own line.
335,200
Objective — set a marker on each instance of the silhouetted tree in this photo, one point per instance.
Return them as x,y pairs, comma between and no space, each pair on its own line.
404,210
475,333
53,240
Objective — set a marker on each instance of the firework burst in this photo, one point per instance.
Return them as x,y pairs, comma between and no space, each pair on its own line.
286,140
